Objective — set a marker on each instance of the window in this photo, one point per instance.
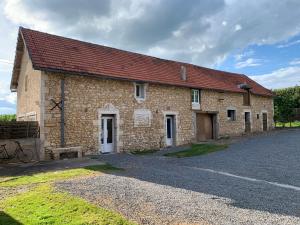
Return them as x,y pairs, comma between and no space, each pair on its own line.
195,96
140,91
231,115
257,116
246,98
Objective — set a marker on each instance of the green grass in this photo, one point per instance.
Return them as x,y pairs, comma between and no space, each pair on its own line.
54,175
143,152
293,124
45,205
197,149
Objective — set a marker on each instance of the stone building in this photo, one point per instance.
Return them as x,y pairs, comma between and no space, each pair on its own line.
108,100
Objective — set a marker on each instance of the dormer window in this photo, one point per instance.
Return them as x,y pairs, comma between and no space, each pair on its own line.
140,91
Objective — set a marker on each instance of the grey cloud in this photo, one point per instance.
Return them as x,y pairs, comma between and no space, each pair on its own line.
162,18
191,31
69,12
261,22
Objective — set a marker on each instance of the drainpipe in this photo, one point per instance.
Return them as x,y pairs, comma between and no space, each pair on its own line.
62,114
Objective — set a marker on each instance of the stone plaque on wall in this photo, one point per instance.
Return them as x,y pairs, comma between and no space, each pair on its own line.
142,118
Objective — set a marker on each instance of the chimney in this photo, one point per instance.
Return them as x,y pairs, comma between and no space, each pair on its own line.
183,73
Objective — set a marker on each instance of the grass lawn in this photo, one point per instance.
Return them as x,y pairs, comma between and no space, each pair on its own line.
143,152
197,149
54,176
43,204
293,124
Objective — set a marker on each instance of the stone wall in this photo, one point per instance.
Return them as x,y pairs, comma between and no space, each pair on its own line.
222,101
86,98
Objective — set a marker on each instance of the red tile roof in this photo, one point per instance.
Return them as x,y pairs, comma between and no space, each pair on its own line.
54,53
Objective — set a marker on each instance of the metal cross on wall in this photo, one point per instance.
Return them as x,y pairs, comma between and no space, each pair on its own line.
56,104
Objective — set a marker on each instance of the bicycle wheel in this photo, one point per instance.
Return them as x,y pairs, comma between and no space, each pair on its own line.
25,156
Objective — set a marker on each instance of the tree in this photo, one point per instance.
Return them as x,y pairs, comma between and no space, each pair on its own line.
285,101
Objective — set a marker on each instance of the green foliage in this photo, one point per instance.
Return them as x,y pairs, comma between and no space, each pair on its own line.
8,117
285,101
289,124
197,149
45,205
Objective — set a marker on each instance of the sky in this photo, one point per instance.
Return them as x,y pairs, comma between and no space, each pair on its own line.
259,38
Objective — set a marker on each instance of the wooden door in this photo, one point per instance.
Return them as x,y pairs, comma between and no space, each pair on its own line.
247,122
204,126
265,121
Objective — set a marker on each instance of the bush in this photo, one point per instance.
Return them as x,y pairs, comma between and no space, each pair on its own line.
11,117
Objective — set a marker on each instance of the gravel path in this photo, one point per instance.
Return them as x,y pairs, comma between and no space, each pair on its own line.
273,157
159,190
150,203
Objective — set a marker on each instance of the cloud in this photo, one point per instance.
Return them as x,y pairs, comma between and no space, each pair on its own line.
5,94
289,44
250,62
243,55
7,110
5,61
202,32
50,15
5,65
295,62
281,78
11,98
237,27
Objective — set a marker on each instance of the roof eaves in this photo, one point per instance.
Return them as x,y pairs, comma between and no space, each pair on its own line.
17,62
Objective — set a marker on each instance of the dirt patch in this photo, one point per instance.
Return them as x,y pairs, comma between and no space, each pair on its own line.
6,192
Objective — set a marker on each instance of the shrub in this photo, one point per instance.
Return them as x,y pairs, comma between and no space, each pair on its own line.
8,117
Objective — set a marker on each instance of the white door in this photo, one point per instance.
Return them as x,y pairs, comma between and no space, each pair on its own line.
107,134
169,130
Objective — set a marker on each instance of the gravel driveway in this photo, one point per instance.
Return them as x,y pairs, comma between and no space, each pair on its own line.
255,181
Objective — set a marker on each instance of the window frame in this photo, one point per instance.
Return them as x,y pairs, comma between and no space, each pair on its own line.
231,118
139,91
193,96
